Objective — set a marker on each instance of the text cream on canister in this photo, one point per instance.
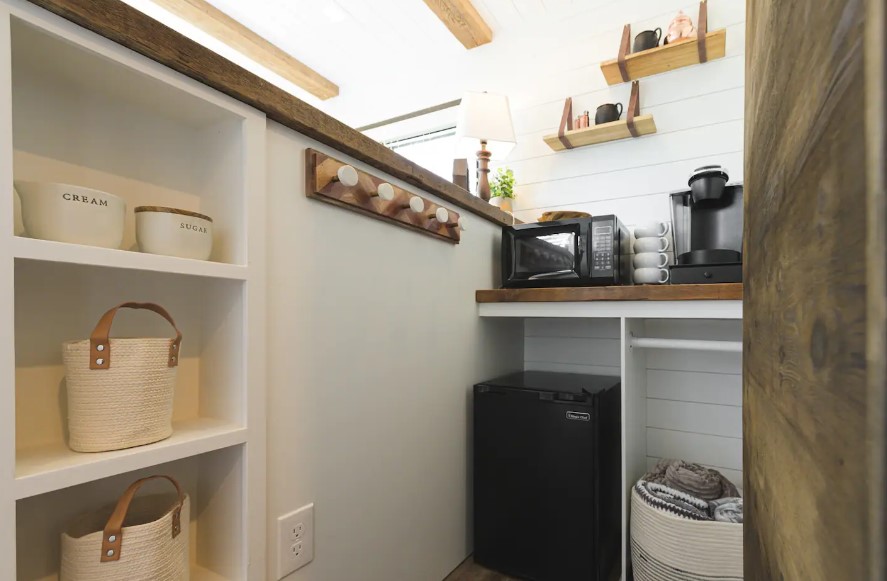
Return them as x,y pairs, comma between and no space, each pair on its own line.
71,213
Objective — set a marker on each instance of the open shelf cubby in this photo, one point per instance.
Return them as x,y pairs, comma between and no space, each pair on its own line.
61,302
213,481
85,111
82,119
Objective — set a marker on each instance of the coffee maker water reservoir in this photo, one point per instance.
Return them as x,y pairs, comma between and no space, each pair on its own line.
707,225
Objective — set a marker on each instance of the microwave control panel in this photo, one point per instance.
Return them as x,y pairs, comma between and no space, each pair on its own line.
602,247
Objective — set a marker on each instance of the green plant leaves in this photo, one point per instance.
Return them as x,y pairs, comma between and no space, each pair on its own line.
502,183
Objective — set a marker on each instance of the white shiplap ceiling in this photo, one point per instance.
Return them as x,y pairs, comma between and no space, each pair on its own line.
391,57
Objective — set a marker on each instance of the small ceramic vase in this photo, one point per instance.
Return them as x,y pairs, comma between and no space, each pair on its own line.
680,27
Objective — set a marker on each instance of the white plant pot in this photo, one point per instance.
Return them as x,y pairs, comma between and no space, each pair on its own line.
174,232
73,214
503,204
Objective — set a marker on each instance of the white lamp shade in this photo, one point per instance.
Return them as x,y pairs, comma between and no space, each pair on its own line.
486,117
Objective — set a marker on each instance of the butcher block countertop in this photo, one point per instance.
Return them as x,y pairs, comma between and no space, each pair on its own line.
666,292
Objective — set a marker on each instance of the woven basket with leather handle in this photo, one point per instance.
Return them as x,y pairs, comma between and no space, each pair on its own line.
139,540
120,391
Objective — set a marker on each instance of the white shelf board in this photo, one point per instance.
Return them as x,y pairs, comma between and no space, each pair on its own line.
44,469
199,573
613,309
47,251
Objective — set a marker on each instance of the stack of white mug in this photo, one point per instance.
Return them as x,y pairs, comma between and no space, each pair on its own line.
650,258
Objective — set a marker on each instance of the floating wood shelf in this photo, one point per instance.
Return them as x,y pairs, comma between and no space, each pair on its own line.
601,133
665,292
665,58
634,125
704,47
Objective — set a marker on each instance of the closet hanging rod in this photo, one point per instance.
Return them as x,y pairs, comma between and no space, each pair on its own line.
694,344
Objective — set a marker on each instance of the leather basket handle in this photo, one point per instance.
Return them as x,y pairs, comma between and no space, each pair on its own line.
112,536
100,345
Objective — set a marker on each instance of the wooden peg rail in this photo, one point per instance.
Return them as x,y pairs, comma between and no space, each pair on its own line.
373,197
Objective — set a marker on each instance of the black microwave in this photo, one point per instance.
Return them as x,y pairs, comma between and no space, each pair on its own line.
576,252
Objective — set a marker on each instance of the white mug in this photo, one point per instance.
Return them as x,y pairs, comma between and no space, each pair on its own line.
650,245
650,276
650,260
651,230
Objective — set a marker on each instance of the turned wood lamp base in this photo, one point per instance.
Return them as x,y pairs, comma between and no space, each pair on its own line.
483,172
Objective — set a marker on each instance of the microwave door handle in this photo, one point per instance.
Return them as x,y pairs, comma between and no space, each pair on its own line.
555,274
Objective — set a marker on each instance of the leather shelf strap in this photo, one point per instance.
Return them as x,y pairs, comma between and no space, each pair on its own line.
634,108
100,344
566,123
114,527
702,30
623,52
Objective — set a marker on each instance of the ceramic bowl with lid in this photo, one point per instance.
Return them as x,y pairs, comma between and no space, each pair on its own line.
174,232
72,214
707,182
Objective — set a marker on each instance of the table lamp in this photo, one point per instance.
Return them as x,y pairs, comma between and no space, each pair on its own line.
486,117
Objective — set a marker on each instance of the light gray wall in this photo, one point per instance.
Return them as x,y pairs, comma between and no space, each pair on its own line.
374,344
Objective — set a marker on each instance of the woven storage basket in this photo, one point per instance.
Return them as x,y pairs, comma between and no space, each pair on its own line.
120,391
665,547
153,546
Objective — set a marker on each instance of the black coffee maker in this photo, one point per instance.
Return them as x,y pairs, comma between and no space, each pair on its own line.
707,224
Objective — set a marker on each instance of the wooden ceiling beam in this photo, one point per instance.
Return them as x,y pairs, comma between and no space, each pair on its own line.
216,23
463,20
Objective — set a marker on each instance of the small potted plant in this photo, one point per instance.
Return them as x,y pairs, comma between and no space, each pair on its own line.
502,189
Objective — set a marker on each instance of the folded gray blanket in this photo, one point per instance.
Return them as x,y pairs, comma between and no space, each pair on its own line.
726,509
673,501
693,479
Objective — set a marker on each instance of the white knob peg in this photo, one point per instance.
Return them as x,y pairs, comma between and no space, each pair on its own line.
417,204
456,224
385,191
347,175
441,215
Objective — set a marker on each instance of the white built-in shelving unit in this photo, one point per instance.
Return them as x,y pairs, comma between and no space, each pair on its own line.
680,365
76,108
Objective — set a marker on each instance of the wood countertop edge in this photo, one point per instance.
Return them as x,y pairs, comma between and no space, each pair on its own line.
683,292
127,26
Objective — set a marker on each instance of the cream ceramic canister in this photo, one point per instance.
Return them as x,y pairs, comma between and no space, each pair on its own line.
680,27
174,232
72,214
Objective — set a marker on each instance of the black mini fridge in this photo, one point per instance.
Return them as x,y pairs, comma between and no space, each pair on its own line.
547,476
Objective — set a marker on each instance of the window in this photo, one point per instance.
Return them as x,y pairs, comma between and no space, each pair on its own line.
426,138
434,150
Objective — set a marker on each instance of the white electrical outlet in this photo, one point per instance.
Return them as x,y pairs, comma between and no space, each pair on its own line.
295,540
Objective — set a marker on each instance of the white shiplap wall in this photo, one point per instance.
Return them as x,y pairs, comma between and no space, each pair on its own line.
698,112
694,398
